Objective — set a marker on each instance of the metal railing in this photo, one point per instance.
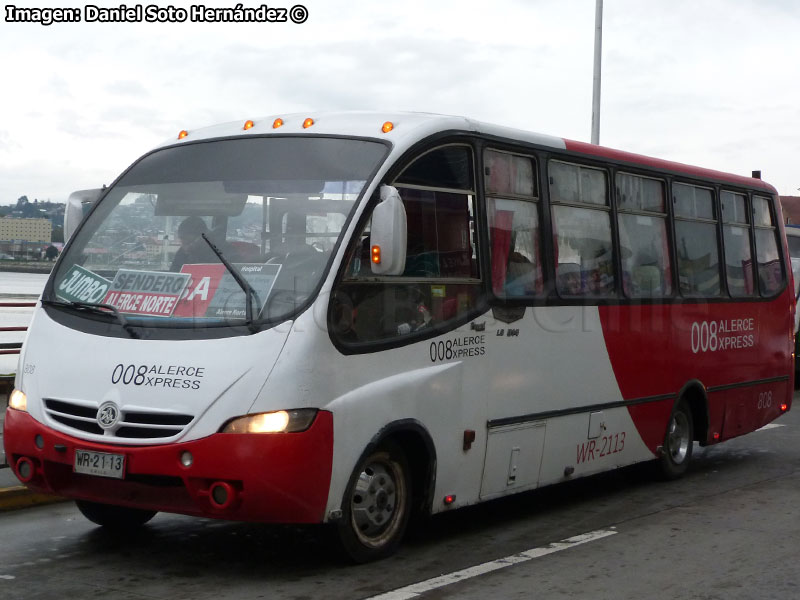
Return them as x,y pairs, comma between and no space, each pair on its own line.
13,347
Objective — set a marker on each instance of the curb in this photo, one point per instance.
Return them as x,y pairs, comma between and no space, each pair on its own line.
16,497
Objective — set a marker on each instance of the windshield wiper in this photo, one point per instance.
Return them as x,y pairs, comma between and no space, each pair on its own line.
97,309
249,292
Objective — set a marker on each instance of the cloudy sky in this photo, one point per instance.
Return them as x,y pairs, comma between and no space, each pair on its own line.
708,82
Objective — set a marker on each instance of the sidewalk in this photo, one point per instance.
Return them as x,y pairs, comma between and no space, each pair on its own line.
13,494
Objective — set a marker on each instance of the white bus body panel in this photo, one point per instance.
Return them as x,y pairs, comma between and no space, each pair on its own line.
226,375
515,376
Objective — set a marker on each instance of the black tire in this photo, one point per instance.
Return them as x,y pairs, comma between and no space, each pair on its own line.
114,517
376,505
678,442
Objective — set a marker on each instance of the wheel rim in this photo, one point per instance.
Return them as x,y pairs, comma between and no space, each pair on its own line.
678,437
377,502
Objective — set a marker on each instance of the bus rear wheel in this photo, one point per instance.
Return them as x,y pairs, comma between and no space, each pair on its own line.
114,517
678,442
377,505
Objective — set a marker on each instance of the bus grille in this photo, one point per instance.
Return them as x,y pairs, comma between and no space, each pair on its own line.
82,416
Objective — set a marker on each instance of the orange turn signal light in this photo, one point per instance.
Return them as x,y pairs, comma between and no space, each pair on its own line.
376,255
387,127
183,134
308,123
277,123
248,125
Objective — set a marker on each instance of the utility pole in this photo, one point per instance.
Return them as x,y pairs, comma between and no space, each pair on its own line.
598,51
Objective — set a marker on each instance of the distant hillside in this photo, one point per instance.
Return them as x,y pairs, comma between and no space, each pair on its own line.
25,209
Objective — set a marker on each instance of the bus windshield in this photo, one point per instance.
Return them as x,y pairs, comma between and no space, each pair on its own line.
217,233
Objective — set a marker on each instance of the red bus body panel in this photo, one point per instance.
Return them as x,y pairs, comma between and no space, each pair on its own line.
745,374
277,478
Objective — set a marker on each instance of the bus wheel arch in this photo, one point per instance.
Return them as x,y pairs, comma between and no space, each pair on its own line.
392,479
688,422
694,393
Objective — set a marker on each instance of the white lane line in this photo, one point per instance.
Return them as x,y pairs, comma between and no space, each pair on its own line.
770,426
416,589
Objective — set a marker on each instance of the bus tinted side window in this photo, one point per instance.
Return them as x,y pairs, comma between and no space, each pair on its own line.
582,230
696,240
441,281
736,235
644,248
770,273
515,247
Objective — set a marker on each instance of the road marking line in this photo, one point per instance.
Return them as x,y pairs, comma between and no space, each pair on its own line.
416,589
770,426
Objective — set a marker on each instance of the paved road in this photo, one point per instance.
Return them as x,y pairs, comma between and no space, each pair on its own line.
729,530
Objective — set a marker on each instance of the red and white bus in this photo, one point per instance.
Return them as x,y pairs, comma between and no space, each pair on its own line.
349,318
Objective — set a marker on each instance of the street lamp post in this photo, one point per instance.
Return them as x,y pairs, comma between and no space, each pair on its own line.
598,51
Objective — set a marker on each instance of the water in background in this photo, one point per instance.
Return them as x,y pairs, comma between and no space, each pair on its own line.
21,284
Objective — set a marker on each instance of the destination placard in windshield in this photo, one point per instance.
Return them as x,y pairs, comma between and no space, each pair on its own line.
213,293
151,293
82,285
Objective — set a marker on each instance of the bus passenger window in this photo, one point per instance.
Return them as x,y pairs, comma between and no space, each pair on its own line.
644,248
581,230
513,225
441,280
770,273
696,240
736,236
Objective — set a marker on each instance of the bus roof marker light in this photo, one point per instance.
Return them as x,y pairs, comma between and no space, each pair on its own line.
449,499
277,123
248,124
182,134
376,255
387,127
308,123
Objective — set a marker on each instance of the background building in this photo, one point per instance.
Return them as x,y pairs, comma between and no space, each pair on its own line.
25,230
791,209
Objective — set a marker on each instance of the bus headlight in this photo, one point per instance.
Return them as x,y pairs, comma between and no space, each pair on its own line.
282,421
18,400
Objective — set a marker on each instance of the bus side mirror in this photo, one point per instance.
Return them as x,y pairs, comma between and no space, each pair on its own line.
388,234
78,205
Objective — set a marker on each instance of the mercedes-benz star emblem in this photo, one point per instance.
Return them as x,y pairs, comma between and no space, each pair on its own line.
107,415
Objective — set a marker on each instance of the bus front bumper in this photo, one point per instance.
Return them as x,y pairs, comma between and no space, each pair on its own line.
273,478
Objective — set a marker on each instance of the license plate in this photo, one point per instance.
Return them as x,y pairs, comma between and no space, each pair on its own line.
101,464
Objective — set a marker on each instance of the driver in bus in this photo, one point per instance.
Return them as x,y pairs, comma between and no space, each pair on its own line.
194,249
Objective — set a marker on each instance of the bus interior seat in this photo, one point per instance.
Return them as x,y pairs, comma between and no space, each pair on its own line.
647,280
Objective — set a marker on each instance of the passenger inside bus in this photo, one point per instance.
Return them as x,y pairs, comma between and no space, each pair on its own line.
569,279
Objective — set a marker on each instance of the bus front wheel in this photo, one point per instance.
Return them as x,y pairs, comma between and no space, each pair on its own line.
678,441
377,505
114,517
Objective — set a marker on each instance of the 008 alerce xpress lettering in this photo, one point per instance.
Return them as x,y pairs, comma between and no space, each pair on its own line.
725,334
163,376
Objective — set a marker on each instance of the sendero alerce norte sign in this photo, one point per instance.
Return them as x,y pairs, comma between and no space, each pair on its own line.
152,293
